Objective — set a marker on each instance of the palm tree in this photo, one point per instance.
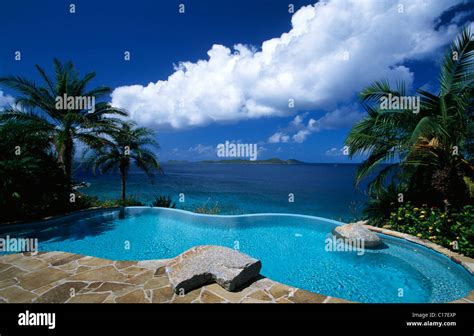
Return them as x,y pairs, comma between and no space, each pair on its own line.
127,144
421,148
37,104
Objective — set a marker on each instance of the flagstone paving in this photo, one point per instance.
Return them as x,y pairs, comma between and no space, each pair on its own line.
60,277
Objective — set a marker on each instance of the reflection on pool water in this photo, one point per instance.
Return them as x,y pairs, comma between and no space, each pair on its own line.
291,248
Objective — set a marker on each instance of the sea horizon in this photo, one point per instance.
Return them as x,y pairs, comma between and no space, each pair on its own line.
318,189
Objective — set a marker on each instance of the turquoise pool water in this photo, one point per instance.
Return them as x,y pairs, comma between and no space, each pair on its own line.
291,248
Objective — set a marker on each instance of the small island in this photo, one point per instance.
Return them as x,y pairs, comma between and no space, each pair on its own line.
243,161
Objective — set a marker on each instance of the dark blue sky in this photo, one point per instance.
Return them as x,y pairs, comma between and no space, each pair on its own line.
96,36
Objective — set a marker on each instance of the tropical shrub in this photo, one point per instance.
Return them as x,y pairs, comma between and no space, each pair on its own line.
382,202
163,201
129,201
453,229
32,183
84,201
208,209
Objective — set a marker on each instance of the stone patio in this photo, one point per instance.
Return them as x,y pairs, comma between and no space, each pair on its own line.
60,277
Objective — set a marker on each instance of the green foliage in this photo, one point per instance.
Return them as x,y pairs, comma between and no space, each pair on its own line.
382,202
129,201
163,201
84,201
470,186
430,151
446,228
208,209
32,182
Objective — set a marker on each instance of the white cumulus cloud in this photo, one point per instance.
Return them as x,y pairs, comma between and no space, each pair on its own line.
5,100
299,130
335,151
278,137
333,49
301,135
203,149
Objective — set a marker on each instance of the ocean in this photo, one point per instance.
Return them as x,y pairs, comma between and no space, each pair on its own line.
325,190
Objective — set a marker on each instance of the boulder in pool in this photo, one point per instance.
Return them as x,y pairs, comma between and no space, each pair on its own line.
357,232
202,265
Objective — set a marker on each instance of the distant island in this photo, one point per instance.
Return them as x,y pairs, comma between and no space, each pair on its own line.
245,161
177,161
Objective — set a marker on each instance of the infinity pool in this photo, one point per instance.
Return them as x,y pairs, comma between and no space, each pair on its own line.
291,248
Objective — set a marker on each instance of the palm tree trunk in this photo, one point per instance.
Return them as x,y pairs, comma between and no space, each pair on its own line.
67,158
123,179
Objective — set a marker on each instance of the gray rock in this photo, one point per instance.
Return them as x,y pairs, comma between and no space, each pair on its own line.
202,265
357,232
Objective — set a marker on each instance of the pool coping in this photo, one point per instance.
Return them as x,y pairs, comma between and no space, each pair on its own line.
52,219
466,262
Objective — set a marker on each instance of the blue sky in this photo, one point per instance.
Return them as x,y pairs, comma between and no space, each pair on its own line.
318,56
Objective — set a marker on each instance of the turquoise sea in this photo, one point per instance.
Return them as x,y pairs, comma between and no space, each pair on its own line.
325,190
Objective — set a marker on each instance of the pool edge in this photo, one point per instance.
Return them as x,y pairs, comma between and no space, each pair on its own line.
464,261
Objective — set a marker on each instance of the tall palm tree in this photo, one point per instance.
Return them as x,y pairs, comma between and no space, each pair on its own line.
37,104
126,144
418,146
